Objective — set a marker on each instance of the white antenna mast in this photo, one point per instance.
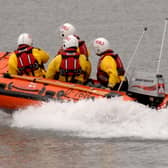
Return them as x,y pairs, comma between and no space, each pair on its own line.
133,55
161,48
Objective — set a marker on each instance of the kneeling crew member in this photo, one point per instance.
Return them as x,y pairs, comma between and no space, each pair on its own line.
26,59
68,29
110,69
69,65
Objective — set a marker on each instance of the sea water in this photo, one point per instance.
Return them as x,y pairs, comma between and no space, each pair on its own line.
97,134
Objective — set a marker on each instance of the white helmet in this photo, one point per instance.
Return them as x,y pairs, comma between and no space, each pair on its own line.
24,38
70,41
67,29
100,45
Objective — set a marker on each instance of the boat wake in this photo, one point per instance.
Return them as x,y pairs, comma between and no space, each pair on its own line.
102,118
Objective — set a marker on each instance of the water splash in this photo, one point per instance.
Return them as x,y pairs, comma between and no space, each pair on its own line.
101,118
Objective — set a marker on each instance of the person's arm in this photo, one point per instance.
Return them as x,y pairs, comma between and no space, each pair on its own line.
109,66
12,64
41,55
53,67
85,65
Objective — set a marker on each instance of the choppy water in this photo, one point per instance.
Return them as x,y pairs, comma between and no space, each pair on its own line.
100,134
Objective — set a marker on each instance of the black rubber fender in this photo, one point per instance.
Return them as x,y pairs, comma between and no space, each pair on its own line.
49,93
2,85
112,94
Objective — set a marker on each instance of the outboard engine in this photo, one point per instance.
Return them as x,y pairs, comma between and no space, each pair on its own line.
147,88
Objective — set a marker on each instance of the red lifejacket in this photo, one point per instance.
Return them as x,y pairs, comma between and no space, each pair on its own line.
82,46
70,65
103,76
26,61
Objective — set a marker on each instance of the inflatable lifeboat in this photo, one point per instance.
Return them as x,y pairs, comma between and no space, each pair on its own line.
18,92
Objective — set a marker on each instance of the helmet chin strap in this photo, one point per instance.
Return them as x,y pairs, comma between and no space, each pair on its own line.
99,54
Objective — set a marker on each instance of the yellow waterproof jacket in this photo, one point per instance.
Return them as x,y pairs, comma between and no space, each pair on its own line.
40,55
109,66
54,66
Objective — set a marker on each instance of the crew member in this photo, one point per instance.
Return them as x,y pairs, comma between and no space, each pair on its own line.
70,65
110,69
26,59
68,29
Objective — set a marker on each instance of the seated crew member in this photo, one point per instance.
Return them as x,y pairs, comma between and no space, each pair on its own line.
68,29
110,69
26,59
70,65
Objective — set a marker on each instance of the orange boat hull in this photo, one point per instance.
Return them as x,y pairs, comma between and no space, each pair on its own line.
16,93
14,103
